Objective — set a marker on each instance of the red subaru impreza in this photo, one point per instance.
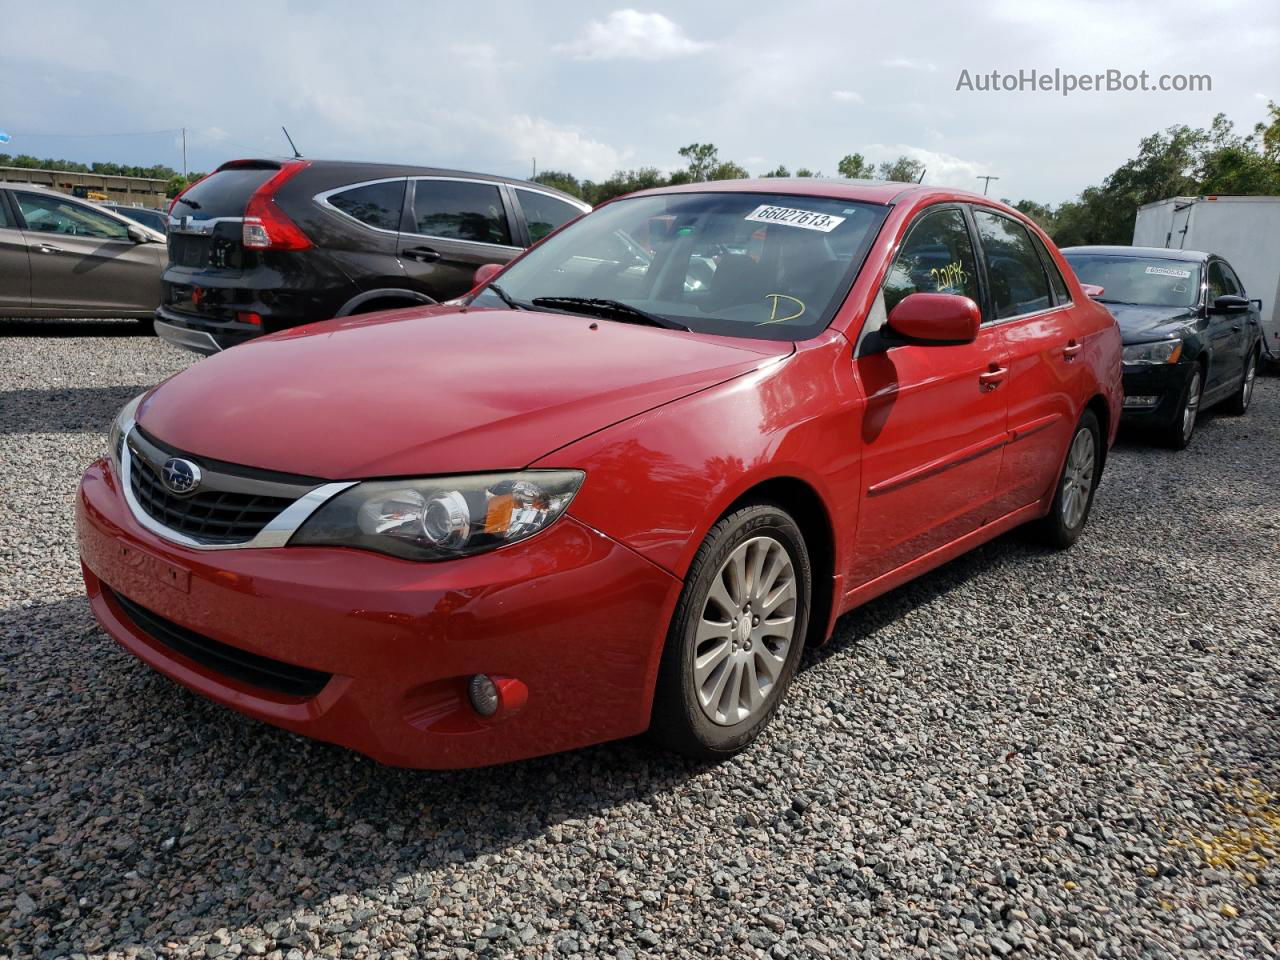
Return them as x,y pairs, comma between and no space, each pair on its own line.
619,486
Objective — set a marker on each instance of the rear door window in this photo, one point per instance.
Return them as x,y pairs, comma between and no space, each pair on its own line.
1060,294
375,204
543,213
5,219
460,210
1018,282
48,214
936,257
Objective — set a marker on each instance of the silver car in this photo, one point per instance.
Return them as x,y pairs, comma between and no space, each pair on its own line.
64,257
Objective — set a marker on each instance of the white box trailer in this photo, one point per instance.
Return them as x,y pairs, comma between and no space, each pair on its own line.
1245,230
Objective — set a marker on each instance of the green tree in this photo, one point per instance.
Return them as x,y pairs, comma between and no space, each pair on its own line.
855,167
805,172
560,180
702,159
727,170
778,171
903,170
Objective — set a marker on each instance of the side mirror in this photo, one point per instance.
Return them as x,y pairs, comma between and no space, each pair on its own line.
1092,290
138,235
937,318
1229,303
486,272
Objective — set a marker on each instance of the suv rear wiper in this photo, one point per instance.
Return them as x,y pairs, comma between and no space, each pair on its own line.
190,203
609,309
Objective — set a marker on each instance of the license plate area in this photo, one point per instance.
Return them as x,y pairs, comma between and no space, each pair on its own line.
172,575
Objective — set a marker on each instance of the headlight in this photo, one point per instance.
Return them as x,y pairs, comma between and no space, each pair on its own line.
119,427
1162,351
442,518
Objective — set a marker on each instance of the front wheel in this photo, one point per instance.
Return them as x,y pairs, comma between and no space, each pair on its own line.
1073,499
736,636
1179,433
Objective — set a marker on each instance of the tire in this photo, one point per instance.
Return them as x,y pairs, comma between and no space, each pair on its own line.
1239,402
1178,434
689,716
1073,498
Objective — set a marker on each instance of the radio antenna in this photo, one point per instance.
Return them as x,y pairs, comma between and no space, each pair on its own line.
296,154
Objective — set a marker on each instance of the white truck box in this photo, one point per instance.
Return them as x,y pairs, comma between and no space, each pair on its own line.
1245,230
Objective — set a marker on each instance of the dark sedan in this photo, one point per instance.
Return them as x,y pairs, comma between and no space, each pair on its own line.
1191,334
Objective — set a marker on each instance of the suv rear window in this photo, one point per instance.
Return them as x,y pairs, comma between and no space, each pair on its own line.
224,193
460,210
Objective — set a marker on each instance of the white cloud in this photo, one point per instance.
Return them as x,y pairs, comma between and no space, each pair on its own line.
632,35
909,63
941,169
846,96
561,148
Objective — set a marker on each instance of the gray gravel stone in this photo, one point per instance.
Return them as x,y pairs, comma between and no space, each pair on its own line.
1023,753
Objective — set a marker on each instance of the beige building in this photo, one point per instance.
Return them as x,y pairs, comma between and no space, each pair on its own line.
103,188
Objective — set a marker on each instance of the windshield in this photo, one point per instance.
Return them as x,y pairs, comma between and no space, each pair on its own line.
1147,280
766,266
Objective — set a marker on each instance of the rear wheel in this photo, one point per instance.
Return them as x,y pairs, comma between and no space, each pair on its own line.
1179,433
1239,404
1074,497
736,636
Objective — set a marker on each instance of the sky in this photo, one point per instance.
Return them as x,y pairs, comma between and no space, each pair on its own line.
592,87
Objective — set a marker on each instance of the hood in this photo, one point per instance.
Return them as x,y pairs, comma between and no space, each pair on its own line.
1139,322
432,391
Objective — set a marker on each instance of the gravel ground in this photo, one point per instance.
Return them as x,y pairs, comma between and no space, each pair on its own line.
1024,754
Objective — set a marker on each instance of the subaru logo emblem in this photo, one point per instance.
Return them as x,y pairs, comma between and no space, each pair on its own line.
181,477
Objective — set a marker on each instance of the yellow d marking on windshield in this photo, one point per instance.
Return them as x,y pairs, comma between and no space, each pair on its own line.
773,311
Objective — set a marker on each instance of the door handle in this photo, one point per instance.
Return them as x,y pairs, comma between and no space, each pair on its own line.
1071,350
992,378
48,248
422,254
1235,327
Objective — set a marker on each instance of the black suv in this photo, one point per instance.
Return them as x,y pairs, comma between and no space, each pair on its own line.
262,245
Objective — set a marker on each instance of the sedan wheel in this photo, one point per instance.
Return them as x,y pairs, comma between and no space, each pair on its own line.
1239,404
1074,495
1183,428
736,635
747,628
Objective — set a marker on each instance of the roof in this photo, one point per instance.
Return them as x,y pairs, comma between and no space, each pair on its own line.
373,169
835,188
1155,253
1212,198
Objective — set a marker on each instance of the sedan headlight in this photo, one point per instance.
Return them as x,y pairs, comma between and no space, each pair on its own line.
1161,351
119,427
442,518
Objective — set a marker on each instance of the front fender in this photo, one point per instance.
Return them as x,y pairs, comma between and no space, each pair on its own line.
660,481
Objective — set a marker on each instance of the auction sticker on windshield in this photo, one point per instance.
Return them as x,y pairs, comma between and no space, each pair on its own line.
1170,272
791,217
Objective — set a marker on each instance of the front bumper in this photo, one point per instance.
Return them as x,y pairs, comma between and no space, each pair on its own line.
575,616
1165,381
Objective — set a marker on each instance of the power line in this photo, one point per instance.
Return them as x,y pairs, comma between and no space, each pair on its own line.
137,133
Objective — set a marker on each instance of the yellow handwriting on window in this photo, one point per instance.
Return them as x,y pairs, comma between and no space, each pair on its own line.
949,277
773,310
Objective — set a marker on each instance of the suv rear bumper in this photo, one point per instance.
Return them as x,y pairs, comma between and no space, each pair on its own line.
191,333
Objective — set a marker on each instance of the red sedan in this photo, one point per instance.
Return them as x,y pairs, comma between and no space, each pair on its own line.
619,486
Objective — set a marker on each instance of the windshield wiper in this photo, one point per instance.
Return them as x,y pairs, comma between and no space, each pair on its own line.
506,298
610,310
190,203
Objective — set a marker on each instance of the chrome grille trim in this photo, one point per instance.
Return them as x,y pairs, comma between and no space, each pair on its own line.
275,533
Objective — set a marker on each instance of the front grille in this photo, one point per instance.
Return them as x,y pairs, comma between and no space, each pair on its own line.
275,676
216,516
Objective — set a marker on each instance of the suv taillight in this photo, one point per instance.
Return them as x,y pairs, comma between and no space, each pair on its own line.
265,225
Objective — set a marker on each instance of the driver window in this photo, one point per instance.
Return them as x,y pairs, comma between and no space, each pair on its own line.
936,257
1217,284
48,214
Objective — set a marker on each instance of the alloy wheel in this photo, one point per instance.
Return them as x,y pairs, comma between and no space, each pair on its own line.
1077,478
747,626
1190,411
1250,374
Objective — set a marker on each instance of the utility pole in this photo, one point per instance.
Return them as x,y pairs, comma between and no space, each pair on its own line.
986,182
184,153
535,169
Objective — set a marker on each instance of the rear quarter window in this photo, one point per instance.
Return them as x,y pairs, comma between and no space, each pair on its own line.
375,204
542,213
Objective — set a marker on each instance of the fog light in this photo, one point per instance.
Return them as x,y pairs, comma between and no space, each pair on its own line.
252,318
1141,401
484,695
